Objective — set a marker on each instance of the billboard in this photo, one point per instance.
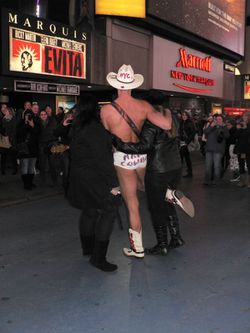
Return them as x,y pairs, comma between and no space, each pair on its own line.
130,8
182,69
219,21
36,46
246,84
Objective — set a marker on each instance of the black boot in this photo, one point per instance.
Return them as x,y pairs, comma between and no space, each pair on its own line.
174,230
161,248
26,182
87,243
98,258
31,178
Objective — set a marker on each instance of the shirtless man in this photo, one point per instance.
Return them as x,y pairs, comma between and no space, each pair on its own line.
130,168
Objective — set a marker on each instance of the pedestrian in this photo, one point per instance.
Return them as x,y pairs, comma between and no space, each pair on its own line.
46,140
8,128
187,134
21,111
216,134
27,147
163,171
62,132
93,184
242,147
117,118
60,115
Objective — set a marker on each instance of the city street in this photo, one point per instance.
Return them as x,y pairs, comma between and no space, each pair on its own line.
203,287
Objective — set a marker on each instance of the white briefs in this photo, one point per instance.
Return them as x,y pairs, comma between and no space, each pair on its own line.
130,161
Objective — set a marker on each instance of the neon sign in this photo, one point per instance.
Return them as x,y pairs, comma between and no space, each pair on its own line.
193,61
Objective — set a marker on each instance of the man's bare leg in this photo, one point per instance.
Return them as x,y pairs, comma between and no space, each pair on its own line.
128,183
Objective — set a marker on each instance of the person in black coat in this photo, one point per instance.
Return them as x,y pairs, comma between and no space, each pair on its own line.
46,139
163,171
8,128
27,147
242,147
187,134
93,184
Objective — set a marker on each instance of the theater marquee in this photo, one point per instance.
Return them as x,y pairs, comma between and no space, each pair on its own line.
37,46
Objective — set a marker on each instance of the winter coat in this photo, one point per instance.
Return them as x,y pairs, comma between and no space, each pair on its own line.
162,150
91,174
8,128
216,138
242,145
30,135
47,129
187,131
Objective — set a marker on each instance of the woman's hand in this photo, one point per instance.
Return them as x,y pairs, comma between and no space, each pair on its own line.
115,191
31,123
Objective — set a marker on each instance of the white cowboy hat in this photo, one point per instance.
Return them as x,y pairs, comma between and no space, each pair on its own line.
125,79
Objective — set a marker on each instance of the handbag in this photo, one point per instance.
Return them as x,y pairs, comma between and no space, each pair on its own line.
58,148
194,145
5,142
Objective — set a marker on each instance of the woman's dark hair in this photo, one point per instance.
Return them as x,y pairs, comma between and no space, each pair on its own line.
155,97
86,110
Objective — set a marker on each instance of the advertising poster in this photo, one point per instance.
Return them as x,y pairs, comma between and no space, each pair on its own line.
246,89
219,21
40,54
36,47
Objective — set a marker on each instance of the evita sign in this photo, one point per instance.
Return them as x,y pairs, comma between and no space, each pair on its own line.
37,46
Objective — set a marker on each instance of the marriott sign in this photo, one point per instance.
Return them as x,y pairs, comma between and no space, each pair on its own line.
181,69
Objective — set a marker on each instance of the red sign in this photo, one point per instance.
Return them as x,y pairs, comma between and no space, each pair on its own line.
193,61
235,111
36,53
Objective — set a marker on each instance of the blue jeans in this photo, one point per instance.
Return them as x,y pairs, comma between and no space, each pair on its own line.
213,166
28,165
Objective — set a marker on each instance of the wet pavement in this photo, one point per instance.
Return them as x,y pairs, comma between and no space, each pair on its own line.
203,287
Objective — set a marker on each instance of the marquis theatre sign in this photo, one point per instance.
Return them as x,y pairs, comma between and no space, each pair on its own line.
181,69
37,46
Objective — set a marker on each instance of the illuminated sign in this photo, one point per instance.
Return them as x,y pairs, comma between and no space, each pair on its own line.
193,61
219,21
246,89
181,69
46,88
131,8
37,46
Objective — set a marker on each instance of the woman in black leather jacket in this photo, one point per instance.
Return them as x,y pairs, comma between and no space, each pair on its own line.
163,170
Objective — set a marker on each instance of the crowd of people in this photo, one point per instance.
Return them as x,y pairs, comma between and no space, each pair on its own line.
104,154
29,137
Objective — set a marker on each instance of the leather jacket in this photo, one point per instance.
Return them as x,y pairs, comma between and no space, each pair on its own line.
162,150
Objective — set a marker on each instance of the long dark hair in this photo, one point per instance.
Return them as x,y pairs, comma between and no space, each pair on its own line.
86,110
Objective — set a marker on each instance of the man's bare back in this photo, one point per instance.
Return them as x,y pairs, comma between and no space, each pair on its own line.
138,110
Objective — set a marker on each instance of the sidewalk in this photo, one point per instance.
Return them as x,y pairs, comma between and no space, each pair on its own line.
12,192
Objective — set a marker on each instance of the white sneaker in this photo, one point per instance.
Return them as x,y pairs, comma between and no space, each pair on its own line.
176,197
236,179
136,247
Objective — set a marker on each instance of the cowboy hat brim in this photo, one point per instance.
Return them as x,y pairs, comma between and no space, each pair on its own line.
112,80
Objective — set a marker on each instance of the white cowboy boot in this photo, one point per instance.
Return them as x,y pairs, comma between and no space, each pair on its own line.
136,247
